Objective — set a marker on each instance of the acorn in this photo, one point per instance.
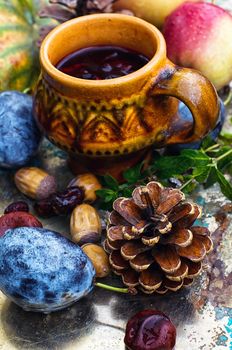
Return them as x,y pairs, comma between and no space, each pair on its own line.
89,183
85,224
34,182
99,259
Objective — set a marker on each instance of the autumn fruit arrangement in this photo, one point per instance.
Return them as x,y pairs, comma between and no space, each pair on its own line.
153,240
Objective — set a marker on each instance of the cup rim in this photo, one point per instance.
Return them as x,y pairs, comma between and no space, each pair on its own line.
66,79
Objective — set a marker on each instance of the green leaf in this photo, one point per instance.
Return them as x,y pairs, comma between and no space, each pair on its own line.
132,175
201,174
223,163
198,157
105,192
111,182
212,178
225,186
207,142
169,166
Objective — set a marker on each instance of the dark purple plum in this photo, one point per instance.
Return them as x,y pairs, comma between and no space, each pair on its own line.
19,135
42,271
186,114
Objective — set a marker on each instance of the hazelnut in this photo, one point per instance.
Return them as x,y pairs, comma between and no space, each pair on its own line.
85,224
99,259
89,183
35,183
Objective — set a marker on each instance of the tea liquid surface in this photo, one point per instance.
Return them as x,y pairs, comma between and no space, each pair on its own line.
101,62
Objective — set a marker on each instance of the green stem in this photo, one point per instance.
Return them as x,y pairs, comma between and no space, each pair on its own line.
186,183
212,148
228,99
224,155
114,289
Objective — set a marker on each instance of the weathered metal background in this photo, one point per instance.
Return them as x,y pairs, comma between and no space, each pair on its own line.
201,313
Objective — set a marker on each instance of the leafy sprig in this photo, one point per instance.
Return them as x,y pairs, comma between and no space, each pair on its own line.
208,165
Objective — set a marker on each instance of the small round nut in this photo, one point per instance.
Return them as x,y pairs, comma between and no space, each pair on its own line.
85,224
99,259
89,183
35,183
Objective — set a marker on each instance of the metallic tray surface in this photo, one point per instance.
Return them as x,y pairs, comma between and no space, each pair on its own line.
202,313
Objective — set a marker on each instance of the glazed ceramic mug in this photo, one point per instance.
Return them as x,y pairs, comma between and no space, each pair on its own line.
109,125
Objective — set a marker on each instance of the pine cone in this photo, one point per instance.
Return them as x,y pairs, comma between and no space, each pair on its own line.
152,242
64,10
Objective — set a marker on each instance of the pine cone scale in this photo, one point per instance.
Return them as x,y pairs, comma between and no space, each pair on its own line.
180,274
130,278
167,258
181,238
131,249
172,285
128,210
117,261
142,261
173,198
181,211
195,252
194,269
151,279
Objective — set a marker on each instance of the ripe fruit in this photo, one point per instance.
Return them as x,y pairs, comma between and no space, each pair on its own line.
19,135
17,219
198,35
154,11
150,330
42,271
60,203
17,206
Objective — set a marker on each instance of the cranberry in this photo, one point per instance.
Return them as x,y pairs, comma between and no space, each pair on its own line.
64,202
17,219
44,208
150,330
17,206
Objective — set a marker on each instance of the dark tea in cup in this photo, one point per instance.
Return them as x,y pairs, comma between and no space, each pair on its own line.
101,62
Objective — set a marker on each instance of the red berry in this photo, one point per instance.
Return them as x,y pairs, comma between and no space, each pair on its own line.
17,206
150,330
17,219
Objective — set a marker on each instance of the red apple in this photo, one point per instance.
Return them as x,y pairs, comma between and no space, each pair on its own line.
199,35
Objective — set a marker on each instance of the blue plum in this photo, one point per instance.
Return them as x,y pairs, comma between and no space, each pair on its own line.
42,271
186,115
19,135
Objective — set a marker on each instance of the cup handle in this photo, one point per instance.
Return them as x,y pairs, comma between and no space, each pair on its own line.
196,92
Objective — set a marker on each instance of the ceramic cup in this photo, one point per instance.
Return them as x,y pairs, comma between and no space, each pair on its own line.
109,125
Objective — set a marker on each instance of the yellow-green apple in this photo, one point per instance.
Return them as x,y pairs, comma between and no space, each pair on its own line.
199,35
153,11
